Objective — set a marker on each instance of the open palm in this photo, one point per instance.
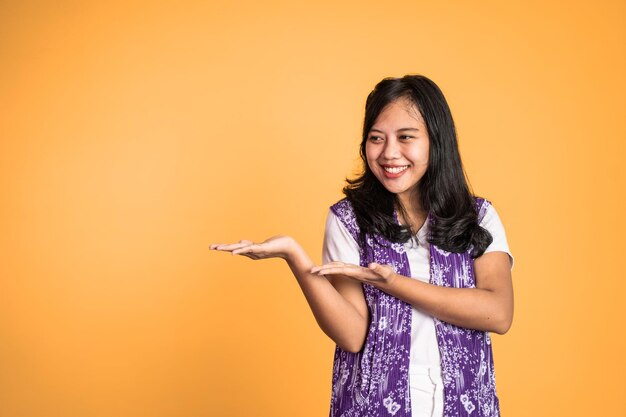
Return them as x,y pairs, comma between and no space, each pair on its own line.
274,247
374,273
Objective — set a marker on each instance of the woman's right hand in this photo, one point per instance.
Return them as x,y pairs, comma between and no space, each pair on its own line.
280,246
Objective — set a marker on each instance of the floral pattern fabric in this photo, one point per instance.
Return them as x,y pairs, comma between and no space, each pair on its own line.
375,381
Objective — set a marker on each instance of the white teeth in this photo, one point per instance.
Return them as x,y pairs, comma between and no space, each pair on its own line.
395,170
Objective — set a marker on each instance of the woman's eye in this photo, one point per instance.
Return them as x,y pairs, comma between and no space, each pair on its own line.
374,138
405,137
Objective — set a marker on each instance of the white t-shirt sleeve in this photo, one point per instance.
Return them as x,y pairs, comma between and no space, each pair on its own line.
493,224
339,245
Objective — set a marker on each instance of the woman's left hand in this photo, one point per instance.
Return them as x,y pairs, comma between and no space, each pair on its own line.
373,274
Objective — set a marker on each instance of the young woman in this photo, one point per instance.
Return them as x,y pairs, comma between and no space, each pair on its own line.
416,269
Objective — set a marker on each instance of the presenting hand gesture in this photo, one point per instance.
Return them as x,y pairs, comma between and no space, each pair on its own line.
373,274
280,246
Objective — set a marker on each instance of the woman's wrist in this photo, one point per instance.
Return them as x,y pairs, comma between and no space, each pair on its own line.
389,284
297,258
291,250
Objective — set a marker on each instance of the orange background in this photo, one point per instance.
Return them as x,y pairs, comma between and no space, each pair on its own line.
134,134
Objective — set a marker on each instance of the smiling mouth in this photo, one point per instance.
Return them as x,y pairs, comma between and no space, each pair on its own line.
395,170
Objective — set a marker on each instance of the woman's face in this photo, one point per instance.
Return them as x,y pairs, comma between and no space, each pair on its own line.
397,148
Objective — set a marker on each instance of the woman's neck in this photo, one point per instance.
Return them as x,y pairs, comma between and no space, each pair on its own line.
411,205
411,215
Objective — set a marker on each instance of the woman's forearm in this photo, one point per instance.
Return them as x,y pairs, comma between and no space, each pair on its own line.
473,308
337,317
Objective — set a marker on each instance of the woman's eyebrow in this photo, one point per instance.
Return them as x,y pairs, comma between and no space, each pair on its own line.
399,130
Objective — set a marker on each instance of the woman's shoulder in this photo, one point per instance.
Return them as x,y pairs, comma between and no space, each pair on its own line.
342,208
339,239
488,216
344,212
483,206
342,202
481,201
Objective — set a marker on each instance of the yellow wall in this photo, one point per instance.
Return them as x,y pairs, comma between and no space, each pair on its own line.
132,135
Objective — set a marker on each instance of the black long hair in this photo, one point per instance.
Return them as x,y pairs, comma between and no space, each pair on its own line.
443,190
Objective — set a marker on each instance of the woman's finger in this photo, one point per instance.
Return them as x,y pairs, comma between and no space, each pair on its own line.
335,265
232,246
250,248
242,241
319,267
335,270
351,271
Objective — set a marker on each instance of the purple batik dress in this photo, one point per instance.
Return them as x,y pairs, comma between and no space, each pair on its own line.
375,381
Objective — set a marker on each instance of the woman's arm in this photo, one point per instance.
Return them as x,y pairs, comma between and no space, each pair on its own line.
338,317
488,307
338,303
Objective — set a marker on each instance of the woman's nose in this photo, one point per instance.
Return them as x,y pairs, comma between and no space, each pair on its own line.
391,150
